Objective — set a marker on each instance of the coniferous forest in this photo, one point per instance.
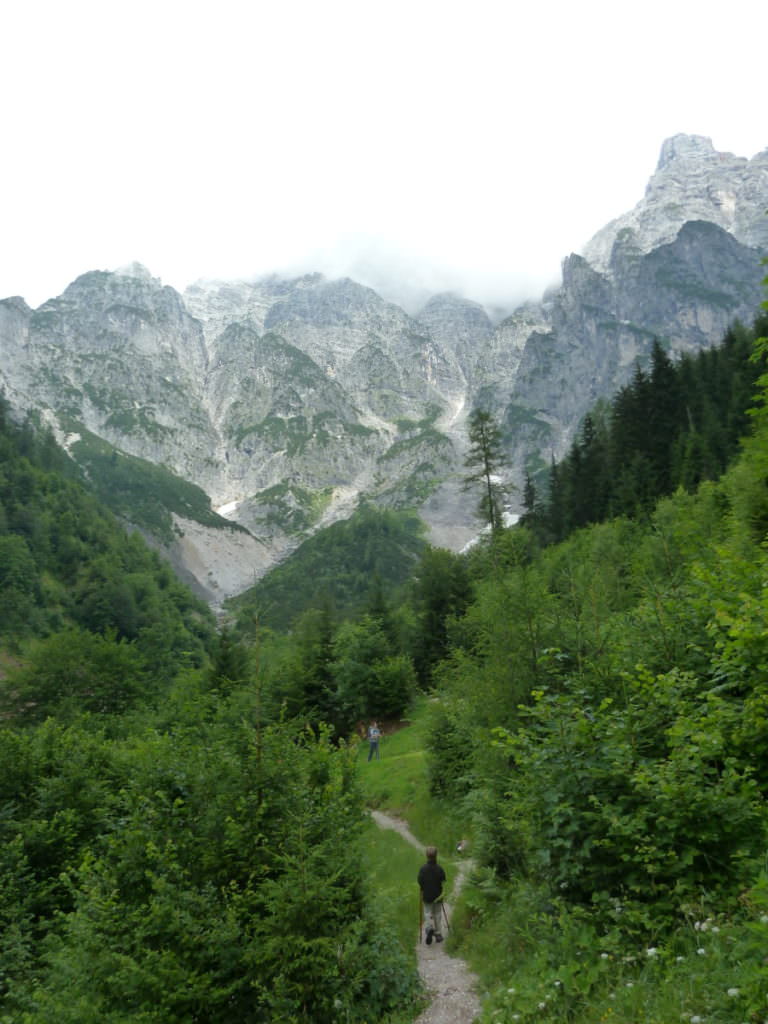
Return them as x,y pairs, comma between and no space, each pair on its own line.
181,805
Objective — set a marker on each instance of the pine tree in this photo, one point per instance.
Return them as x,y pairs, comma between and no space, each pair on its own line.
486,457
664,418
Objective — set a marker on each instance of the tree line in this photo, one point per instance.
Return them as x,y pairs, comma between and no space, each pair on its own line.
674,425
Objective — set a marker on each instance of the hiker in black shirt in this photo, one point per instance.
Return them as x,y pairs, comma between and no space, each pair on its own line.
431,878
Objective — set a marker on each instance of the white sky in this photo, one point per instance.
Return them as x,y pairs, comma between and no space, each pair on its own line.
440,144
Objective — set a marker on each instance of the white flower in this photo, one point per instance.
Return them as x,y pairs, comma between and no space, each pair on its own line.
603,956
630,984
542,1006
511,991
733,992
701,951
679,959
715,930
557,984
696,1019
652,951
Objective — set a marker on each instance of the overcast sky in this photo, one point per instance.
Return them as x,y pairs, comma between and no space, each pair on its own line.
443,145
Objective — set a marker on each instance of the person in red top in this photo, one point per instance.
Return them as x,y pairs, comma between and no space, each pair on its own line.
431,879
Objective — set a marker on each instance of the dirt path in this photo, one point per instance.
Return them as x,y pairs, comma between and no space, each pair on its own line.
447,979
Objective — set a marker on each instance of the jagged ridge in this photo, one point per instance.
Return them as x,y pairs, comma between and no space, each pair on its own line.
288,400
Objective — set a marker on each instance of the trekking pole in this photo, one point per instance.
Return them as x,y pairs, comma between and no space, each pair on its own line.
445,915
421,914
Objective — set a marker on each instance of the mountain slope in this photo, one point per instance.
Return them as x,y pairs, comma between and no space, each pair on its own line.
288,401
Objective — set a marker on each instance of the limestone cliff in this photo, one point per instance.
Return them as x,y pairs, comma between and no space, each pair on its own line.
288,400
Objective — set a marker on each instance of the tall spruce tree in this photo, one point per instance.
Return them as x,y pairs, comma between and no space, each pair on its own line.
666,417
486,458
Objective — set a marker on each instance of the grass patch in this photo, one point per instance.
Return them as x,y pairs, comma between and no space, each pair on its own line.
398,781
398,784
391,865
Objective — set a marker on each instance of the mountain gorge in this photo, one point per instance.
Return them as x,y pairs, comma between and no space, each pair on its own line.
288,401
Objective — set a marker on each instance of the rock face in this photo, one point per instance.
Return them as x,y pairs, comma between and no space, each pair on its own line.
685,293
692,182
288,400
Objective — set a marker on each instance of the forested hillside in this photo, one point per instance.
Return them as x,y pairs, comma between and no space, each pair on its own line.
602,723
181,813
82,588
675,425
169,849
336,568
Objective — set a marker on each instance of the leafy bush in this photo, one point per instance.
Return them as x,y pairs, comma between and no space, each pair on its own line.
637,800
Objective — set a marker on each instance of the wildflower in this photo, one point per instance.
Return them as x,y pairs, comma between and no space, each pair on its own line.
701,951
630,984
679,959
715,930
511,991
733,992
557,984
542,1006
652,951
603,956
696,1019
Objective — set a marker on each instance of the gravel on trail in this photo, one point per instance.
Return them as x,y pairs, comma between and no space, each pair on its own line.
450,984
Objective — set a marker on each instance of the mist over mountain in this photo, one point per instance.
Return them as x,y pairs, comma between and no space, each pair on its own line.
288,400
401,278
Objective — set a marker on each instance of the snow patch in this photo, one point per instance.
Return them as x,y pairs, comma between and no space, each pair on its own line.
228,509
508,519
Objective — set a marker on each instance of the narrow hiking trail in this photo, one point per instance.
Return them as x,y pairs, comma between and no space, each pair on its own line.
447,979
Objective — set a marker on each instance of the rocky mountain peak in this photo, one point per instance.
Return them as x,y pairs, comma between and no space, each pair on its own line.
693,181
454,304
137,270
458,325
17,303
685,147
